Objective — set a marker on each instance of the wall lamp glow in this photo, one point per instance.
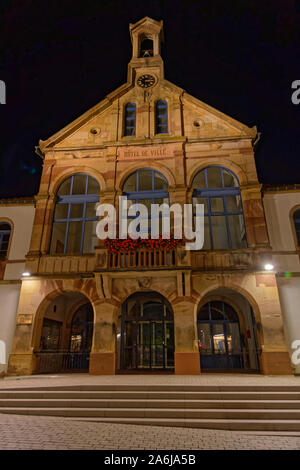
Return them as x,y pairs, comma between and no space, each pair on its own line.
26,274
269,267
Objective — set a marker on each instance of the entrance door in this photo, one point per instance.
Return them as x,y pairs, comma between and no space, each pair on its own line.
147,340
155,344
219,337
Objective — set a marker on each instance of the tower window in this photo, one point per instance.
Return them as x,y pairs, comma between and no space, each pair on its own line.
146,48
130,119
161,117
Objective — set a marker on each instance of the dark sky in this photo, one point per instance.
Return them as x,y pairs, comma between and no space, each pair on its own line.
59,58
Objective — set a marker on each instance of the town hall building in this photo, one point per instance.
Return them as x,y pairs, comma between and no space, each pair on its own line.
86,307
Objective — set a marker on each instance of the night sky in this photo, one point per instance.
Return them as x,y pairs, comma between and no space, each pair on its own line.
59,58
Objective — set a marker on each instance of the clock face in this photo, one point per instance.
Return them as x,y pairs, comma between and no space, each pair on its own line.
146,81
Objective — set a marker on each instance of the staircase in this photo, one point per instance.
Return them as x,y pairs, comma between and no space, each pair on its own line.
275,408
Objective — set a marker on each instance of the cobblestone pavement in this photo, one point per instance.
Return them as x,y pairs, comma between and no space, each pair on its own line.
32,432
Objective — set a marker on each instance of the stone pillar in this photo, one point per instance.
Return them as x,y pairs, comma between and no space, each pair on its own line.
187,358
274,357
22,361
256,228
103,355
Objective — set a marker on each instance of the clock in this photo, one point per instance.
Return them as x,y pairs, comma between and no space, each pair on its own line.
145,81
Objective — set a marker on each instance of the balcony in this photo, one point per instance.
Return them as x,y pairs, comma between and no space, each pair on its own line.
156,259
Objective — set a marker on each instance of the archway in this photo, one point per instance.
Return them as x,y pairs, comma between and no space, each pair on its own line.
65,334
145,337
227,332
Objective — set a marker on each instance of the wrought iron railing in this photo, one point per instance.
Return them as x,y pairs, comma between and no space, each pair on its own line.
61,361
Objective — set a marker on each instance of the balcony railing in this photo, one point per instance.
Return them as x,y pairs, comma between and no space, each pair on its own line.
142,258
57,264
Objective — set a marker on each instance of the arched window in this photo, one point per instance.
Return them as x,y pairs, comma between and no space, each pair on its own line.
74,224
218,189
130,119
146,187
161,117
296,219
5,230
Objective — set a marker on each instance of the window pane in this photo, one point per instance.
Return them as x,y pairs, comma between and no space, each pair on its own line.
76,211
3,248
145,180
130,183
233,338
61,211
229,179
219,339
203,313
5,227
65,187
216,308
93,186
237,231
160,182
74,237
230,312
199,180
201,200
90,238
207,242
79,184
216,204
147,203
219,232
204,338
58,237
214,177
233,203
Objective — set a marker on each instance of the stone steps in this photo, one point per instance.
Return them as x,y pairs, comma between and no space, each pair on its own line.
215,407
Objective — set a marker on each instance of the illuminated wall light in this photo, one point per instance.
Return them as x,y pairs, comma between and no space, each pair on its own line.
26,274
269,267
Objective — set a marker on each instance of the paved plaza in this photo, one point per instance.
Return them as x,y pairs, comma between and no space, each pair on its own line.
36,432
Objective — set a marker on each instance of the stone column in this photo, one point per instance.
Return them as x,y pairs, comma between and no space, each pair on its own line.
103,355
22,361
187,358
256,228
274,357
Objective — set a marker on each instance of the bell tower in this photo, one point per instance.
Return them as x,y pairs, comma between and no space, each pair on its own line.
146,38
